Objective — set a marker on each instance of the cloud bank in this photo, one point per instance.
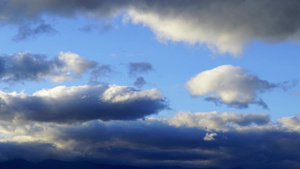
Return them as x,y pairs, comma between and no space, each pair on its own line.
222,26
247,141
230,85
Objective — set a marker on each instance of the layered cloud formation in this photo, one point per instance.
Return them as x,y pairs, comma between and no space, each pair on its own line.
235,140
222,26
230,85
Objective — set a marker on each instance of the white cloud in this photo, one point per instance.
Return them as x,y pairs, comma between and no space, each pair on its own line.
231,85
292,123
217,121
210,137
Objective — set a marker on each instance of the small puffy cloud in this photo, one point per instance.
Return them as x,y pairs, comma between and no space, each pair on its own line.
139,68
210,137
218,121
81,103
139,82
230,85
34,67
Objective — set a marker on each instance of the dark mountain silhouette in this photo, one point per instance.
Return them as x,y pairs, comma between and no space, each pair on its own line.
56,164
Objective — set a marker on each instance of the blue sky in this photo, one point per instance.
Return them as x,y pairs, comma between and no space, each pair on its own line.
221,69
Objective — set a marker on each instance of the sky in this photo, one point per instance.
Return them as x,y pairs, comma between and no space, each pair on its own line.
205,84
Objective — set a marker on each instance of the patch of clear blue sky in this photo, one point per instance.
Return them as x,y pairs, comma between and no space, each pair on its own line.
173,63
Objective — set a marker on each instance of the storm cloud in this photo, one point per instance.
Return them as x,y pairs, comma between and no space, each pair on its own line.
230,85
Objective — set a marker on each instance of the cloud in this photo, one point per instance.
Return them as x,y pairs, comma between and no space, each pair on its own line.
153,142
216,121
139,68
81,103
230,85
210,137
28,30
222,26
34,67
139,82
292,123
98,73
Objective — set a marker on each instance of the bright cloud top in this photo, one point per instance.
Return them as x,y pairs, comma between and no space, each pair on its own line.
34,67
217,121
81,103
231,85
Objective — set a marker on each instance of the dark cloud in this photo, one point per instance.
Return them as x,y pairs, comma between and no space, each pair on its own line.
81,103
223,26
139,68
150,142
28,30
34,67
139,82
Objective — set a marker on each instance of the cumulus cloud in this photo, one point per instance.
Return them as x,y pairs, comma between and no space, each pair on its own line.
81,103
230,85
34,67
222,26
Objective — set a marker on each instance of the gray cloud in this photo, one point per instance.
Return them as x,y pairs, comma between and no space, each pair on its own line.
98,73
251,141
29,30
34,67
139,82
81,103
137,68
222,26
230,85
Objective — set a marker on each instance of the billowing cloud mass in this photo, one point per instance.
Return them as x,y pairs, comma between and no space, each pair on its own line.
34,67
81,103
223,26
230,85
251,141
